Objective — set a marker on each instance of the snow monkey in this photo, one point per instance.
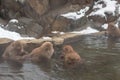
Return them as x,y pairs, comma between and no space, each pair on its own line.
113,31
15,51
70,57
43,52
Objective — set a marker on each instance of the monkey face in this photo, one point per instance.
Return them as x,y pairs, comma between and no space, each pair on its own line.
67,49
48,49
45,51
47,46
18,46
70,57
113,31
111,28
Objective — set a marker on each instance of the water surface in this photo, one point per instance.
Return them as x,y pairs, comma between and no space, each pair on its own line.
101,62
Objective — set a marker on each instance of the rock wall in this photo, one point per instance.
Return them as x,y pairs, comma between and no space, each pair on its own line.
45,15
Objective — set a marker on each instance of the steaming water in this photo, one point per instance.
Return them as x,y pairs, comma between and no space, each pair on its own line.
101,62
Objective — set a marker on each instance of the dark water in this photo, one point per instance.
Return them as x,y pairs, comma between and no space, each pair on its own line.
101,62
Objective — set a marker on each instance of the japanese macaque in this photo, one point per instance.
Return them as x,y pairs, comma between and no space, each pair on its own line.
70,57
15,51
44,52
113,31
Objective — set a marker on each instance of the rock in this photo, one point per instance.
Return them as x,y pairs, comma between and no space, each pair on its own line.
3,22
4,42
25,26
100,19
61,24
57,3
81,2
39,6
32,28
10,9
32,43
97,18
79,23
58,40
111,17
118,1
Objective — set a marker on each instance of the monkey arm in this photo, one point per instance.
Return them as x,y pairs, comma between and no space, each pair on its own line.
5,55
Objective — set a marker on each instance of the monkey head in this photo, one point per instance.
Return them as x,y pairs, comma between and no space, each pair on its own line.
47,48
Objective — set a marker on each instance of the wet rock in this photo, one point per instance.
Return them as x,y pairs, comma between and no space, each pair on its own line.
4,42
56,40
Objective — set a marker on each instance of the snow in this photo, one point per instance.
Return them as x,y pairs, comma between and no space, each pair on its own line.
88,30
13,21
105,26
11,35
47,38
76,15
117,25
62,33
110,7
57,32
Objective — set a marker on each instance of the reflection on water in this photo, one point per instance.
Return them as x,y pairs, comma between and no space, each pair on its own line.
101,62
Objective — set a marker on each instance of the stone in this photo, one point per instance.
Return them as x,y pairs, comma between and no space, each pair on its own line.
57,3
39,6
25,26
61,24
10,9
4,42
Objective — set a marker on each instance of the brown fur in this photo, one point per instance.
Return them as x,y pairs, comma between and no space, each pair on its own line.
113,31
71,58
15,51
45,51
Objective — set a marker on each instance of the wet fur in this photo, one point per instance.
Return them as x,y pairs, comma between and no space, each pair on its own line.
70,57
44,52
15,51
113,31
